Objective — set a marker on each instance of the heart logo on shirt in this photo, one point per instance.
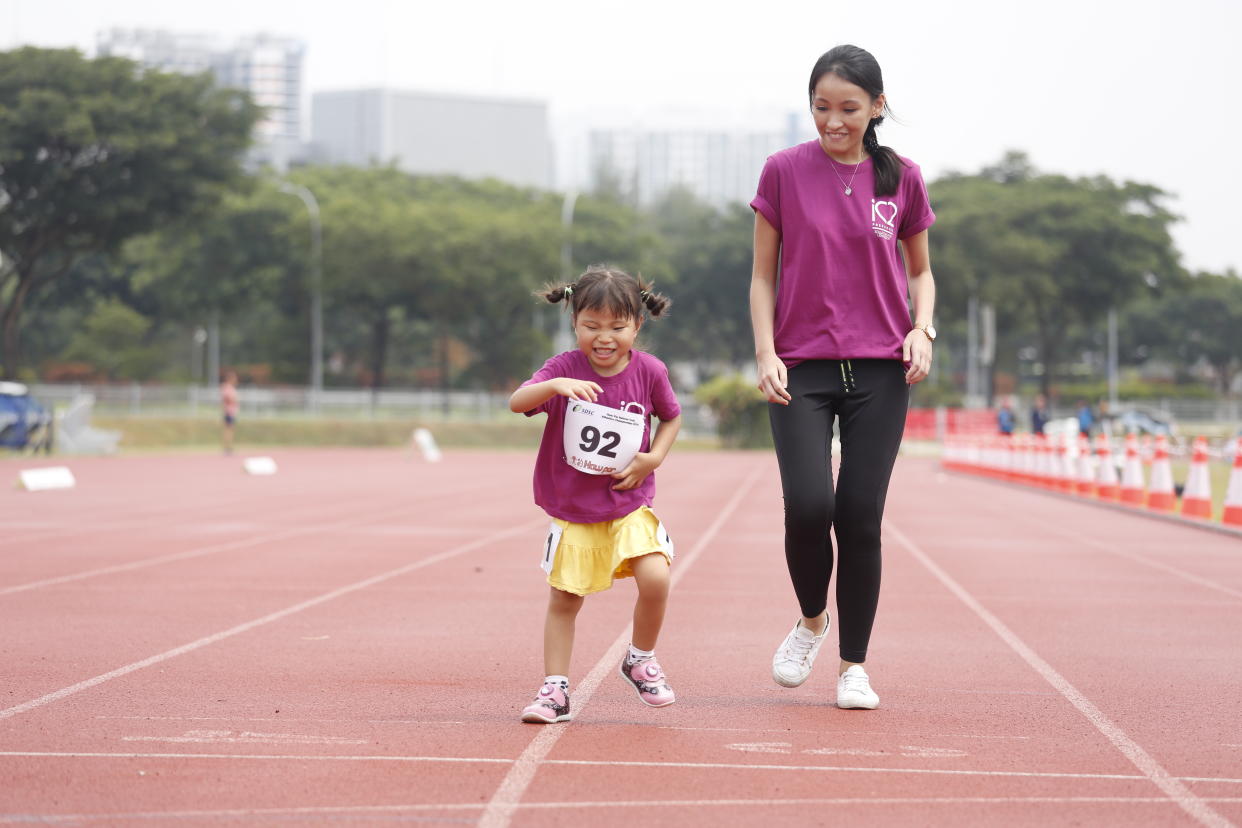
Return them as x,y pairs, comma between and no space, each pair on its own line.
886,211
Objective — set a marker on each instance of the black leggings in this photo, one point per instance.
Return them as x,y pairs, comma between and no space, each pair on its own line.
870,396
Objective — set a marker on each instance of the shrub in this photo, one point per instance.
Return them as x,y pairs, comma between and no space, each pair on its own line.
740,410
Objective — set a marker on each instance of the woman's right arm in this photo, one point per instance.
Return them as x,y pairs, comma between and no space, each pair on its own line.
773,376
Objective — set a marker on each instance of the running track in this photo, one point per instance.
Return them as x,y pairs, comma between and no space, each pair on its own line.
350,641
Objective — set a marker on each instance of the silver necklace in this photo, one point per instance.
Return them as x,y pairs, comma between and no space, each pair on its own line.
849,188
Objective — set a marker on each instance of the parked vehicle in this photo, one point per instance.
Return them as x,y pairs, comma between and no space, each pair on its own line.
25,425
1141,420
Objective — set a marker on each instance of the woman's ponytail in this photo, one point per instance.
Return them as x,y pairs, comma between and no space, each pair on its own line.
885,163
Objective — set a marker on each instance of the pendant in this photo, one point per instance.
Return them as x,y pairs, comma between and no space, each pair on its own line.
849,190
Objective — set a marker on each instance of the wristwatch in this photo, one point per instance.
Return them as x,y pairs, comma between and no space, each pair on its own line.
929,329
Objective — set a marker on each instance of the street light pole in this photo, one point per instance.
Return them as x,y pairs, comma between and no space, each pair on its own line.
312,210
561,340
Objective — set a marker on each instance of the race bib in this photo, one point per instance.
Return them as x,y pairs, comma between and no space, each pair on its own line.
599,439
550,545
666,542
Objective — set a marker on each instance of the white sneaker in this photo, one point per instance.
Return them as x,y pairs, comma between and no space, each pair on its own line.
796,656
854,690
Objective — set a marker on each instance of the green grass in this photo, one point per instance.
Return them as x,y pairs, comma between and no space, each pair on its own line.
195,432
191,433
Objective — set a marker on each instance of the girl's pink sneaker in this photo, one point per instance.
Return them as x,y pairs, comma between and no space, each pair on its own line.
647,677
551,705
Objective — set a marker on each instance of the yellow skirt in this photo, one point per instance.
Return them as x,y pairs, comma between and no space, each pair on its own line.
586,557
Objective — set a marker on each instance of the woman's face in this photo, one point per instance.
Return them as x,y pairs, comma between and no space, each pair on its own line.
842,111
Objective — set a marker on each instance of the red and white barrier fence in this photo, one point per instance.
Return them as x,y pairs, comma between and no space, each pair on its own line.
1068,463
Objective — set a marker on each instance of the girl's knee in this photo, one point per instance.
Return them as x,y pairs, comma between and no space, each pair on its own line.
651,572
560,601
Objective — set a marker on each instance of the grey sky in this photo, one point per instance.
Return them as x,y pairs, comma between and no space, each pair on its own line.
1135,90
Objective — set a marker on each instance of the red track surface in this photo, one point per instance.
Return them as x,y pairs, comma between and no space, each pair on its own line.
350,642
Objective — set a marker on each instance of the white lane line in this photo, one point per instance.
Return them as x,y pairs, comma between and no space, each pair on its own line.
604,763
257,540
504,802
246,737
893,733
419,722
89,523
351,810
266,619
1161,778
268,757
1140,559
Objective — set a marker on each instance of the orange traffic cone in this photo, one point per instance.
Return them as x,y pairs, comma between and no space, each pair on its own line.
1039,461
1132,474
1084,482
1233,495
1107,488
1160,494
1197,496
1063,471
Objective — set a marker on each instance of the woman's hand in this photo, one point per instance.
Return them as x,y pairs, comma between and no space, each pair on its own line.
916,352
773,379
577,389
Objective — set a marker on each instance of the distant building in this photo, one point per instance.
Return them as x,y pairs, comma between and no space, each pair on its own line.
422,132
718,167
268,67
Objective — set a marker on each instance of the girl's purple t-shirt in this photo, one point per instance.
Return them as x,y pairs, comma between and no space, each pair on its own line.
569,494
842,291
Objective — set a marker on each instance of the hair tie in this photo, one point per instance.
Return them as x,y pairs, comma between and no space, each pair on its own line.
644,293
569,291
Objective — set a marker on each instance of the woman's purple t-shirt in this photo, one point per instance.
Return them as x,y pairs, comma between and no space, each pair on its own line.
569,494
842,291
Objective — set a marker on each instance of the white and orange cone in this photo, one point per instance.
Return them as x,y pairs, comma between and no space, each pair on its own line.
1039,460
1132,492
1106,481
1233,495
1160,494
1084,482
1064,466
1197,496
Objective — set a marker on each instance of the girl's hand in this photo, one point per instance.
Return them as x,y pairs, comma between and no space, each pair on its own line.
916,352
577,389
636,472
773,379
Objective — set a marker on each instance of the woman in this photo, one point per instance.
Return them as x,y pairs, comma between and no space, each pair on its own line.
840,249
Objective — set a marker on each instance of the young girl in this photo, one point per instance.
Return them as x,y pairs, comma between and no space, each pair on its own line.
594,477
840,255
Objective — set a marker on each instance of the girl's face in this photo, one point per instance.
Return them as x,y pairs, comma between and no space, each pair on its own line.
842,111
606,339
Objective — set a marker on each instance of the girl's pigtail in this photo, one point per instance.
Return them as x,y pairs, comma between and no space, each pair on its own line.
657,304
553,293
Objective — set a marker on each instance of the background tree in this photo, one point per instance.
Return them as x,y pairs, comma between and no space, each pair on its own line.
709,251
1049,252
1200,320
94,152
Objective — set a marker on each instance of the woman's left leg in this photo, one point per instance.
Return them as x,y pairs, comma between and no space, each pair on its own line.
872,417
